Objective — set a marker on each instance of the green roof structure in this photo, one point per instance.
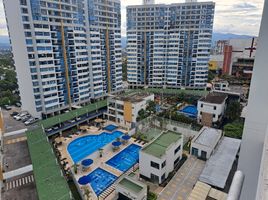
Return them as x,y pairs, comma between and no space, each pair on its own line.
130,185
159,146
52,121
49,181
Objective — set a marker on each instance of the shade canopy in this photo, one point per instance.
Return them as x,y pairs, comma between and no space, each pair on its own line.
126,137
84,180
87,162
116,144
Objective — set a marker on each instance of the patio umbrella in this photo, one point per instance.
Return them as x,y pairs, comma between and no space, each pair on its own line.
87,162
84,180
116,144
125,137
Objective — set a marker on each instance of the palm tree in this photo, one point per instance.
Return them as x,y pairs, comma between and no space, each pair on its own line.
100,152
87,193
75,168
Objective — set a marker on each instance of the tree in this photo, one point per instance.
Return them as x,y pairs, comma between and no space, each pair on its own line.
151,107
87,192
233,111
234,130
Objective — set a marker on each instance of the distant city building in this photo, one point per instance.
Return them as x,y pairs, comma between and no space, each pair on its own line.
243,68
220,85
158,158
211,108
219,47
238,49
205,142
66,52
124,109
169,45
129,188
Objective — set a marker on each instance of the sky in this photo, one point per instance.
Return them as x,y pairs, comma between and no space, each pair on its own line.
231,16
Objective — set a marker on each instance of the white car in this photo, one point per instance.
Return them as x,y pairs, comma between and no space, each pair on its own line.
31,121
19,116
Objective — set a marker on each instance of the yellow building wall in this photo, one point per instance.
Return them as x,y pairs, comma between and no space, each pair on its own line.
2,126
212,65
128,111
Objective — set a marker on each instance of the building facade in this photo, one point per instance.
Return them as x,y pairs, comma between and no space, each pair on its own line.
211,108
66,52
160,157
124,109
169,45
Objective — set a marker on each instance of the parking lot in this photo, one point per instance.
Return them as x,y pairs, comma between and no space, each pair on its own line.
10,123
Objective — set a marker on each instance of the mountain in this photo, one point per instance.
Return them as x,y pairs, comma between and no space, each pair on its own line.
227,36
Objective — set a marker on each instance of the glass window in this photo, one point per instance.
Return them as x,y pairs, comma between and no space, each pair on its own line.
154,165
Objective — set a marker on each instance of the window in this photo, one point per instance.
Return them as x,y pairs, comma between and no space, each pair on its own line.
177,160
215,107
163,177
214,115
163,164
177,149
154,165
23,2
201,105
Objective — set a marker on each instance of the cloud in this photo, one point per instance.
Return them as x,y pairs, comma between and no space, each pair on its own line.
240,16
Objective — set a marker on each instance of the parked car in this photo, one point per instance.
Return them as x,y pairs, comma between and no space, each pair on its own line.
48,129
55,128
19,116
25,118
18,105
7,107
14,114
31,121
78,119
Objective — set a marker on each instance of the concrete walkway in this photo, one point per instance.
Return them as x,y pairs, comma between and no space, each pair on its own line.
18,172
15,132
181,185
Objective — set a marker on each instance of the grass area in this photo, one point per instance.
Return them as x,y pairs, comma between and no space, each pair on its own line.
151,196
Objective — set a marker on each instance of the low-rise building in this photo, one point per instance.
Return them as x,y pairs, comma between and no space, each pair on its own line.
160,157
128,188
211,108
220,85
204,143
124,109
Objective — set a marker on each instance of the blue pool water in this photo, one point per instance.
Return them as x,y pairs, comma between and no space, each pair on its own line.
190,111
110,127
126,158
84,146
100,180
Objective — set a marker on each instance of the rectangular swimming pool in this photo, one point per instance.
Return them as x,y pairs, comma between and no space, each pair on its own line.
100,180
86,145
110,127
125,159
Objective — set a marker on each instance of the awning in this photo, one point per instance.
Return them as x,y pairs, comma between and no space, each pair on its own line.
84,180
116,144
126,137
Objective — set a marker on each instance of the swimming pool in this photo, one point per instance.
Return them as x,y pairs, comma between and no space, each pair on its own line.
84,146
110,127
126,158
190,111
100,180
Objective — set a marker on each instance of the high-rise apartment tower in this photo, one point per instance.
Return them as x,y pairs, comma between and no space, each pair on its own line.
66,52
169,45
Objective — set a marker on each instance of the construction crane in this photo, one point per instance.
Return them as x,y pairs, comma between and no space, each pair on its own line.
64,52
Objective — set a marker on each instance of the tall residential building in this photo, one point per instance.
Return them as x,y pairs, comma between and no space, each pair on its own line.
169,45
66,52
253,154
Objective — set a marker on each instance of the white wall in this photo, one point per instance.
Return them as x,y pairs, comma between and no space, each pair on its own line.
209,108
145,161
256,121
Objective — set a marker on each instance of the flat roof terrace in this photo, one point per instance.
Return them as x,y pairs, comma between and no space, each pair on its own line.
130,185
159,146
133,97
208,137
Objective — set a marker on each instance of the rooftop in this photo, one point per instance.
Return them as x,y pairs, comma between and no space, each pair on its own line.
219,165
52,121
130,185
214,97
133,97
159,146
208,137
50,183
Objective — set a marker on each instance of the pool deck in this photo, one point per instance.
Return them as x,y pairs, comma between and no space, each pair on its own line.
98,162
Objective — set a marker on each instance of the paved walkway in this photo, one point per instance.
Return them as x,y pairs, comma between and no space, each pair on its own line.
15,132
18,172
15,140
181,185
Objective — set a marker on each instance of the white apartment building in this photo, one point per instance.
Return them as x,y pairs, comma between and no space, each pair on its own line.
66,52
220,85
211,108
124,109
158,158
205,142
169,45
